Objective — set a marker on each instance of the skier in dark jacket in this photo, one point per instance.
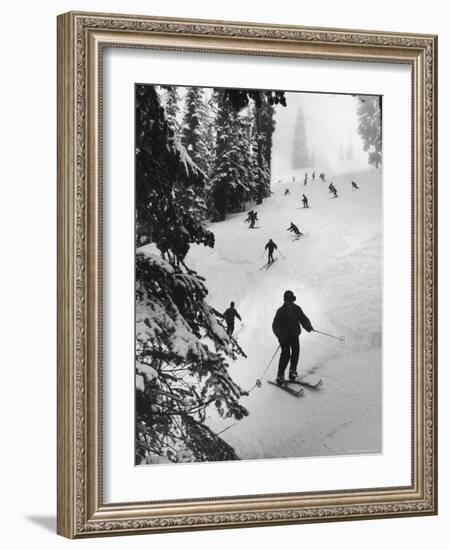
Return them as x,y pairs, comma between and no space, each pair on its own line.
354,185
270,246
248,217
286,326
287,191
305,201
313,175
253,218
294,229
229,316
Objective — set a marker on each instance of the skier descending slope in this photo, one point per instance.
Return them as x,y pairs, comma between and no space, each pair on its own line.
252,217
305,201
287,327
294,229
354,185
248,217
229,316
270,246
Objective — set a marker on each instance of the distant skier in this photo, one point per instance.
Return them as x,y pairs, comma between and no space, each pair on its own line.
294,229
323,176
271,246
286,326
229,316
313,175
252,219
287,191
306,176
250,213
334,192
331,187
354,185
305,201
293,179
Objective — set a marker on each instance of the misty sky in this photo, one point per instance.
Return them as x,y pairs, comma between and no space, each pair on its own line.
330,122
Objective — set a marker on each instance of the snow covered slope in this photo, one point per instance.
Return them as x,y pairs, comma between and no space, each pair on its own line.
335,270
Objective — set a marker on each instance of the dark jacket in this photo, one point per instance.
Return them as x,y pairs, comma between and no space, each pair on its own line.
288,321
294,228
271,246
230,314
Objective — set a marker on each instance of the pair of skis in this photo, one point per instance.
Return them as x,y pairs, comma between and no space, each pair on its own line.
267,265
312,382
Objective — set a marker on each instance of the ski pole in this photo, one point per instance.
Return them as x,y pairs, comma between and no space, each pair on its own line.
259,380
282,254
339,338
263,254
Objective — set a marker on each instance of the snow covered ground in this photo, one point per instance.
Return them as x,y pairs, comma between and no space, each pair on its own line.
335,270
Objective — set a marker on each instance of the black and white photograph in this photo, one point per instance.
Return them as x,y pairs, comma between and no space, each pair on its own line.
258,273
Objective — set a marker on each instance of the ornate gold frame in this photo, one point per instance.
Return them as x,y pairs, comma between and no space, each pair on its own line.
81,37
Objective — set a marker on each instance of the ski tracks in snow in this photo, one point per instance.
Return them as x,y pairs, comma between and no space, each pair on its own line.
336,275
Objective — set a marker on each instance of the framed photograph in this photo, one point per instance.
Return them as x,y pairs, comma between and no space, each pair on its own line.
247,278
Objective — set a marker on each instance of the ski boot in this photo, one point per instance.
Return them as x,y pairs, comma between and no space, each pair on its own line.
293,377
280,381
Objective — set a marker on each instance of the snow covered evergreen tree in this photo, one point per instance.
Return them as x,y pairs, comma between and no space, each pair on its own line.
262,138
230,178
172,107
209,133
300,157
370,127
182,348
194,128
242,167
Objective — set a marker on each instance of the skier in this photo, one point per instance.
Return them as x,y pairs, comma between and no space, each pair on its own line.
286,326
270,246
305,201
331,187
294,229
250,213
322,176
287,191
306,175
304,181
253,218
354,185
313,175
334,191
229,316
